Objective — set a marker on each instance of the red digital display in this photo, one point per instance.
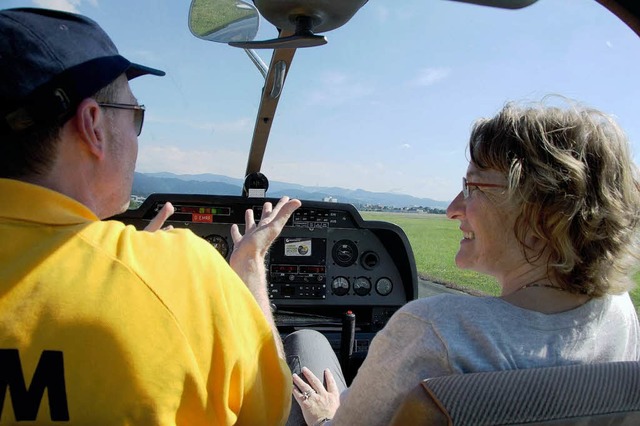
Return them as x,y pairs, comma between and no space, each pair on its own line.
202,218
284,268
312,269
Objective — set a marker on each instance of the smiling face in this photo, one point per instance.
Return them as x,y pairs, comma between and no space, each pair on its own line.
487,219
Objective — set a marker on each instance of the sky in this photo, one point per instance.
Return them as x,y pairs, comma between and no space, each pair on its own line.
385,106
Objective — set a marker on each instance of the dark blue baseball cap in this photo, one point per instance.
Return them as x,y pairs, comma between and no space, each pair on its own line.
49,62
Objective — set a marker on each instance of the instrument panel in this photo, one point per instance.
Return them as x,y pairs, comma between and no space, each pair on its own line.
327,261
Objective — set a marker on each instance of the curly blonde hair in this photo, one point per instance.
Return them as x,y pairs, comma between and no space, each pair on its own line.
572,178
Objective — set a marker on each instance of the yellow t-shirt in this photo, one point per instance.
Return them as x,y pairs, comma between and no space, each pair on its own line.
104,324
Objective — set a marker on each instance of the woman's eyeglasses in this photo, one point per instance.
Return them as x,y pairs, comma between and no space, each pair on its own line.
466,184
138,113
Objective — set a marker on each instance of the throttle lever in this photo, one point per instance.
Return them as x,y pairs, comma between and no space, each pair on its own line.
348,338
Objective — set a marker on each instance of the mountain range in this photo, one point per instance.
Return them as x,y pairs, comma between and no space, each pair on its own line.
164,182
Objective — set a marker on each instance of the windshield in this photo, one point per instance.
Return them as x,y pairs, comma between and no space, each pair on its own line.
385,106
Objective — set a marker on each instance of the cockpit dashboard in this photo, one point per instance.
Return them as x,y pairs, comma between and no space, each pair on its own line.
327,263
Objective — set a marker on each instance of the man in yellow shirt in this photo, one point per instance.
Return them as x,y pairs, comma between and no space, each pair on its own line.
118,326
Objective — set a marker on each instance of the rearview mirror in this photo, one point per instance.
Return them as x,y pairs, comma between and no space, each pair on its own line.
223,21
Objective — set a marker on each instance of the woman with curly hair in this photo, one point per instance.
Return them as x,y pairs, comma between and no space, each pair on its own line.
550,207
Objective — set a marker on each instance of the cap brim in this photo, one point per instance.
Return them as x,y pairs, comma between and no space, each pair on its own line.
136,70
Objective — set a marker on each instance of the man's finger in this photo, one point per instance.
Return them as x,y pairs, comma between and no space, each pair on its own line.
267,208
284,211
249,221
235,233
158,221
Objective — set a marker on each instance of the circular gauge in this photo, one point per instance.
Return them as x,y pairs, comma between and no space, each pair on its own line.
369,260
340,286
219,243
384,286
345,252
362,286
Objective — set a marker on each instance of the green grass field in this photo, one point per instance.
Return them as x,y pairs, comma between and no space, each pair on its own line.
435,240
206,20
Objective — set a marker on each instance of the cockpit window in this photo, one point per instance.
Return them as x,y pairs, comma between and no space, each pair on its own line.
385,106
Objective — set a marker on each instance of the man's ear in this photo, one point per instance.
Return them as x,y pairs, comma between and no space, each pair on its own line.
90,123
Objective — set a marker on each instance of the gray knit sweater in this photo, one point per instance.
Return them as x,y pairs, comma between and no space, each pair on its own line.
451,334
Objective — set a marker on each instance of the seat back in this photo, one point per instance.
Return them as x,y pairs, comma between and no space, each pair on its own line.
589,394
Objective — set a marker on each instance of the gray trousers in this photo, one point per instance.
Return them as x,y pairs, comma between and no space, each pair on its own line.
309,348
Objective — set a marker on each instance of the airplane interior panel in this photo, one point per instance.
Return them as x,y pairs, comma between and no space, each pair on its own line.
328,270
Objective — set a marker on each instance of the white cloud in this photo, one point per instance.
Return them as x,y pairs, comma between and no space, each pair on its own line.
178,160
405,146
143,55
240,125
344,174
65,5
337,88
430,76
382,13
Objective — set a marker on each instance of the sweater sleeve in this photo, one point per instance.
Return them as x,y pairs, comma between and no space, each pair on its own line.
405,352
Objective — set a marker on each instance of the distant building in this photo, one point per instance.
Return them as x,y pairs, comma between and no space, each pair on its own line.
330,200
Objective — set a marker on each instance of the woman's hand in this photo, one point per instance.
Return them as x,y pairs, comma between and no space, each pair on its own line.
316,402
